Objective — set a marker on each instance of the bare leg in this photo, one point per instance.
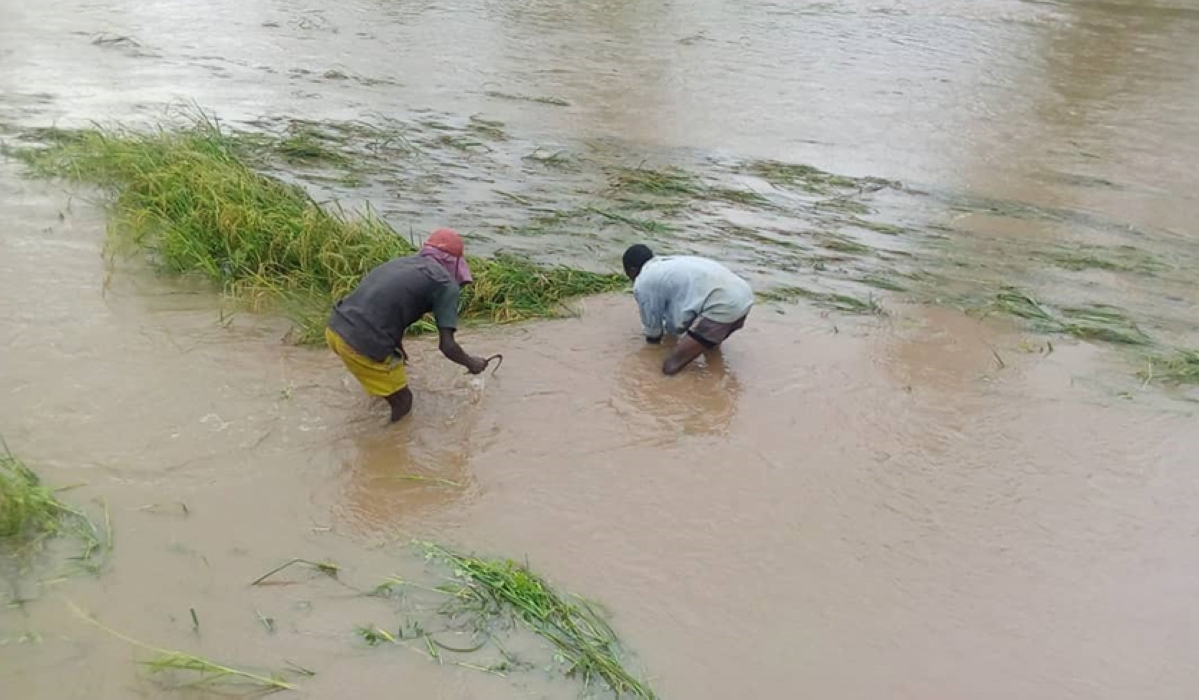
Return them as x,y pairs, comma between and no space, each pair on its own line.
400,402
685,351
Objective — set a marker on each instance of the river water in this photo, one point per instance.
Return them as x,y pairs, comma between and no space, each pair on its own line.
926,504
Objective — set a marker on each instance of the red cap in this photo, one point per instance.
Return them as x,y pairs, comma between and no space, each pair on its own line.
448,240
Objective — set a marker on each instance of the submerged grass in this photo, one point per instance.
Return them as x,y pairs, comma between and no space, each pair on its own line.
30,514
1098,322
485,590
188,198
1178,366
811,179
1122,258
829,300
210,672
28,509
663,182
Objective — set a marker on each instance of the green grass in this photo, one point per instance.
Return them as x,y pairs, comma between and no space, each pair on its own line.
666,182
578,632
187,198
307,145
809,179
843,244
30,514
829,300
553,101
208,672
881,282
1123,258
746,198
28,509
1177,366
1097,322
645,225
561,160
487,127
878,226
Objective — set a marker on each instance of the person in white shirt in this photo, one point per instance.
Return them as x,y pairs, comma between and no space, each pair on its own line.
699,300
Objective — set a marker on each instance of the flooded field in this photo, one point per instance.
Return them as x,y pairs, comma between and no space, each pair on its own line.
947,457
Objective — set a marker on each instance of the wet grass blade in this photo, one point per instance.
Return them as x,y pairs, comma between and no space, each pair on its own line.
580,635
167,659
327,568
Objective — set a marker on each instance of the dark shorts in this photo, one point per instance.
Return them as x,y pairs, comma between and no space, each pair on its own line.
710,333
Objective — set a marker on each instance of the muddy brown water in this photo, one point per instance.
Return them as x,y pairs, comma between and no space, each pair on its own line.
837,507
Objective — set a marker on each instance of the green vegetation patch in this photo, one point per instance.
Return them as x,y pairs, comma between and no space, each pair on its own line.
812,180
483,597
187,197
1098,322
1177,366
829,300
30,514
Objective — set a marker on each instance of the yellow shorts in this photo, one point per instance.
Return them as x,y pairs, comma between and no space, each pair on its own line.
378,378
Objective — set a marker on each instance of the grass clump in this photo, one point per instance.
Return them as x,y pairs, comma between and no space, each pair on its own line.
829,300
188,198
490,594
1122,258
1177,367
844,244
811,179
210,672
1097,322
28,509
508,289
578,632
645,225
545,100
309,146
30,514
666,182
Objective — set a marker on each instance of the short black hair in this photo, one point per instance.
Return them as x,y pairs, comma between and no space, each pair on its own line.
636,256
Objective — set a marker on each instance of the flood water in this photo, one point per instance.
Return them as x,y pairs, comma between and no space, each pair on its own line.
926,504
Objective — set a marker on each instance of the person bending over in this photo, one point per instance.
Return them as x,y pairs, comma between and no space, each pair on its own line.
699,300
366,328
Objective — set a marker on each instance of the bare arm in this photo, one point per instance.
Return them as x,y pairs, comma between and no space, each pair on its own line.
454,352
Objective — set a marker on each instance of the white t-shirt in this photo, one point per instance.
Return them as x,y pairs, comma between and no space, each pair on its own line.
673,291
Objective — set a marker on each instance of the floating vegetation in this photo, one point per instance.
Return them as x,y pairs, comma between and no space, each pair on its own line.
30,514
484,593
307,145
829,300
1178,366
1115,259
811,179
555,101
210,672
327,568
663,182
842,244
646,225
747,198
28,510
186,197
1098,322
487,127
880,282
561,160
878,227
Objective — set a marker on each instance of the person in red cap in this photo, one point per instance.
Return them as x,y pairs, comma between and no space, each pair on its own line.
366,329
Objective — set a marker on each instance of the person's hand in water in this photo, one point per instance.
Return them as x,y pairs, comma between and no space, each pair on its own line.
475,365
